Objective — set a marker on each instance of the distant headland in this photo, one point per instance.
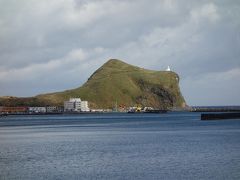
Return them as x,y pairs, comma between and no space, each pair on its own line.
116,83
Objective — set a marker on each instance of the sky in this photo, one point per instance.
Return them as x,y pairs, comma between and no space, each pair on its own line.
48,46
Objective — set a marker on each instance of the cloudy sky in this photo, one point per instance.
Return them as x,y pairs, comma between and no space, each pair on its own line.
48,46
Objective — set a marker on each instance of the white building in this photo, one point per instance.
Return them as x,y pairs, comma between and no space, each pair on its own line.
75,104
68,106
84,106
50,109
37,109
54,109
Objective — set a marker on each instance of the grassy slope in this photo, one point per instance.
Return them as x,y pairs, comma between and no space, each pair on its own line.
125,84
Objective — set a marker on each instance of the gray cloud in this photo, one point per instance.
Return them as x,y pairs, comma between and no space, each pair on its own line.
56,45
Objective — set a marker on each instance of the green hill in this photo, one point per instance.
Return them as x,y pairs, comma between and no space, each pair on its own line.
119,82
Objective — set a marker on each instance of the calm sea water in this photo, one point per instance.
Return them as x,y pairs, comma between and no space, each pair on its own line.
119,146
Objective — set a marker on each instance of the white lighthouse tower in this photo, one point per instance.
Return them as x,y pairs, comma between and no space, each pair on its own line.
168,68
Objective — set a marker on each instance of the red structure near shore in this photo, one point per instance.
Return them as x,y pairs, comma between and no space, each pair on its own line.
13,110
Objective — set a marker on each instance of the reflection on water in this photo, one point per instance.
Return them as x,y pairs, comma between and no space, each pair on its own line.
119,146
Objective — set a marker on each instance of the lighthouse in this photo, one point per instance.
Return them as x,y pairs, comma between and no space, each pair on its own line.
168,69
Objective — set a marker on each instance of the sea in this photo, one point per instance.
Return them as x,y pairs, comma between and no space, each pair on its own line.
174,145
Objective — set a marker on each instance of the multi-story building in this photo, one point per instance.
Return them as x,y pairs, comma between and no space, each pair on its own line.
54,109
68,106
75,105
84,106
50,109
37,109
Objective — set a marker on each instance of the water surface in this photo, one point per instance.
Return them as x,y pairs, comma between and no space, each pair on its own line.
119,146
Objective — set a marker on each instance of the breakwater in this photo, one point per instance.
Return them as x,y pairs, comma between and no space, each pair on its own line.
219,116
215,109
